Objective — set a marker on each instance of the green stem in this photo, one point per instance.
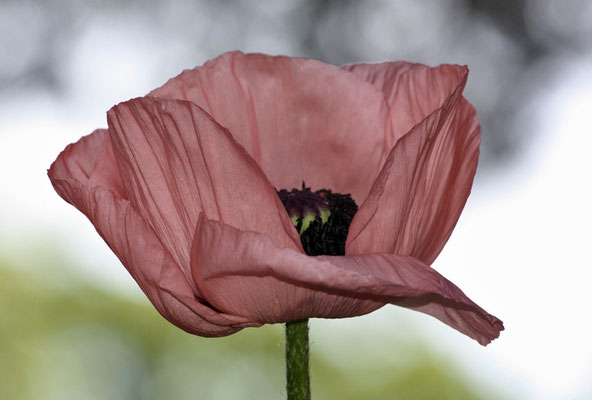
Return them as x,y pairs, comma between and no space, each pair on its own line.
298,381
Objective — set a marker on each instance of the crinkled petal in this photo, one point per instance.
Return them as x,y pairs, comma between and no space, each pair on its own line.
91,162
300,119
246,273
132,239
176,162
419,195
385,76
413,91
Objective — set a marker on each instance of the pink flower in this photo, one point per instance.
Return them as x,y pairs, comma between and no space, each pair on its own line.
182,187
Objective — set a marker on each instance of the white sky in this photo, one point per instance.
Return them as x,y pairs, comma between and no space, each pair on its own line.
520,249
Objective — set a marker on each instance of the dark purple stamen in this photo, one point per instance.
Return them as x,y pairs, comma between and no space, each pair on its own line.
320,238
302,202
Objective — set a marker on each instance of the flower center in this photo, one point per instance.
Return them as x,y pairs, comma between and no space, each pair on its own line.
322,218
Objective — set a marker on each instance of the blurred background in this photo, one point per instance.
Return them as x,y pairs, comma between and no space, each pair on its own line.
73,324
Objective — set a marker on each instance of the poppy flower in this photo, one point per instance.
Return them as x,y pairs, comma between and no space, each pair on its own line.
193,188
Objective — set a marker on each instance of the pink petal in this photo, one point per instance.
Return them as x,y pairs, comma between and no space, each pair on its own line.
413,91
91,162
385,76
420,193
132,239
246,273
176,162
300,119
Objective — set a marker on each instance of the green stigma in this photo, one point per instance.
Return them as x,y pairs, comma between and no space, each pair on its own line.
308,218
321,218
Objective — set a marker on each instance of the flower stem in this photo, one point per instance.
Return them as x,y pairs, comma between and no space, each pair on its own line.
298,381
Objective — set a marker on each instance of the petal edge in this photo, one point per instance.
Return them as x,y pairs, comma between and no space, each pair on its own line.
262,281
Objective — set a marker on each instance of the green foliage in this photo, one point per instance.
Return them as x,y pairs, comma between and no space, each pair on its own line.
79,341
